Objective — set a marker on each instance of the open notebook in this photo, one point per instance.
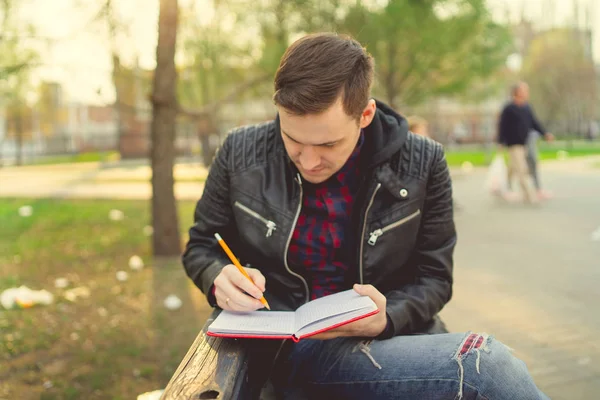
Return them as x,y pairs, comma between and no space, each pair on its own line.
316,316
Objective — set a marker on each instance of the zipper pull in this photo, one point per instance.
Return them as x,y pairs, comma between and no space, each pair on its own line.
373,236
270,228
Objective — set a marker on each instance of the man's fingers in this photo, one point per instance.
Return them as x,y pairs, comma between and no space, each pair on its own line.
238,300
238,279
257,277
372,292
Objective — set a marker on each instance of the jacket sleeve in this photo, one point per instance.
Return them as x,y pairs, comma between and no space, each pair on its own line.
414,304
203,258
536,123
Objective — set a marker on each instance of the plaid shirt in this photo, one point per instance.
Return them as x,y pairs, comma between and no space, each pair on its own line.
317,244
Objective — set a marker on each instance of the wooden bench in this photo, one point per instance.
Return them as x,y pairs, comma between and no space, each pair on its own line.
217,368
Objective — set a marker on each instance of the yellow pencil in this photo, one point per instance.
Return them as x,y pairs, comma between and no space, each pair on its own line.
235,262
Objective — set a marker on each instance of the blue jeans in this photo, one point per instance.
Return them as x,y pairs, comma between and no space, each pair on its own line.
424,367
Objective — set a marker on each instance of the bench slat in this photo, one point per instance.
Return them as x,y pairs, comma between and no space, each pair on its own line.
213,368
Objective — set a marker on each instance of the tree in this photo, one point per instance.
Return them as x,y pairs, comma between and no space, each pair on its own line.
108,15
428,48
562,78
15,68
166,241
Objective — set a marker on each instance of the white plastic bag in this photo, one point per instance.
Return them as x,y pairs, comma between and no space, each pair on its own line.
497,178
23,297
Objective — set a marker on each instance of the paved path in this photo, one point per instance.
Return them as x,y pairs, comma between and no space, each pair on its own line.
94,180
529,276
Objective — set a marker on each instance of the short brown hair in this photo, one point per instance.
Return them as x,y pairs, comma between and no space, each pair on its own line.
318,68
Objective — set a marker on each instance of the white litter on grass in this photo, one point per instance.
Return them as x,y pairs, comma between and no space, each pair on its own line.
102,312
122,276
562,155
73,294
48,385
154,395
116,215
24,297
136,263
148,230
74,336
595,236
25,211
173,302
61,283
467,167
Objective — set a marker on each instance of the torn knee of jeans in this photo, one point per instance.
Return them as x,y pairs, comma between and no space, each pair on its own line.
364,348
472,343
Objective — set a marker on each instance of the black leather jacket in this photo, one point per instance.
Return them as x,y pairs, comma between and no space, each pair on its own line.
405,233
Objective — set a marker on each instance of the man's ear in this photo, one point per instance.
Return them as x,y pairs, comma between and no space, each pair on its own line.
368,114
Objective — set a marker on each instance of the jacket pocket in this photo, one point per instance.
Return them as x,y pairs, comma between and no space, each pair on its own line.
269,225
373,236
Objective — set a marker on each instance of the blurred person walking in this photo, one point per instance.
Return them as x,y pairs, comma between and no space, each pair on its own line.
517,121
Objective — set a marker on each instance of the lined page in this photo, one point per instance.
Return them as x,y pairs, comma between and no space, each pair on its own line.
255,322
332,305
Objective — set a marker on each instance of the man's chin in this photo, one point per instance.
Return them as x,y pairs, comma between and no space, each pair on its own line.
314,179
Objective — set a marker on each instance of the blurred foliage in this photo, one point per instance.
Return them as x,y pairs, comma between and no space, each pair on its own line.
17,57
421,48
562,78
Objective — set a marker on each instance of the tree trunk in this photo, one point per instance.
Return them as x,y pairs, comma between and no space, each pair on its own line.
19,134
166,240
117,82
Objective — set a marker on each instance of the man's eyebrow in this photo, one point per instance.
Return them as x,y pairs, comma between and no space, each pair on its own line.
320,144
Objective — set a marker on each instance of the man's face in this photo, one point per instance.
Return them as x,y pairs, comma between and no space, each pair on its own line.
522,94
421,129
320,144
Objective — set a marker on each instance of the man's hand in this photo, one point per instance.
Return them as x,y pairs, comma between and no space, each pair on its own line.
367,327
549,137
234,292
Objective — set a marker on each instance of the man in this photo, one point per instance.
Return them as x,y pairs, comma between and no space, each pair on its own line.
334,194
517,121
418,125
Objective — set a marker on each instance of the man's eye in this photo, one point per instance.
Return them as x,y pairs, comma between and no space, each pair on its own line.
329,145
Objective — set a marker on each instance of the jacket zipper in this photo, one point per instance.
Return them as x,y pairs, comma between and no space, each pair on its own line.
271,226
362,236
287,245
378,232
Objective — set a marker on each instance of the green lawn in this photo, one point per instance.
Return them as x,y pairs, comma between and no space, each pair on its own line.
77,158
456,157
104,346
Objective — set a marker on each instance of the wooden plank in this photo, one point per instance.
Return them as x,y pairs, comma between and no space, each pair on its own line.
213,368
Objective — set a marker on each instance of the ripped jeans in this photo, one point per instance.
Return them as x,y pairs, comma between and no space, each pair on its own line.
444,366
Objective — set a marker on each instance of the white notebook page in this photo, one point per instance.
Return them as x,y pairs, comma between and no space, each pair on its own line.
330,306
255,322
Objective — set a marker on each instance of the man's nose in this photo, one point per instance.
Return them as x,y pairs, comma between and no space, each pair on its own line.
309,159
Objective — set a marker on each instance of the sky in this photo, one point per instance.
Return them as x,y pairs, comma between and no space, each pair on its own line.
77,53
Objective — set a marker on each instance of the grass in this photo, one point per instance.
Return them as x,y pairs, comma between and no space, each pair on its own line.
77,158
180,179
109,345
478,157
